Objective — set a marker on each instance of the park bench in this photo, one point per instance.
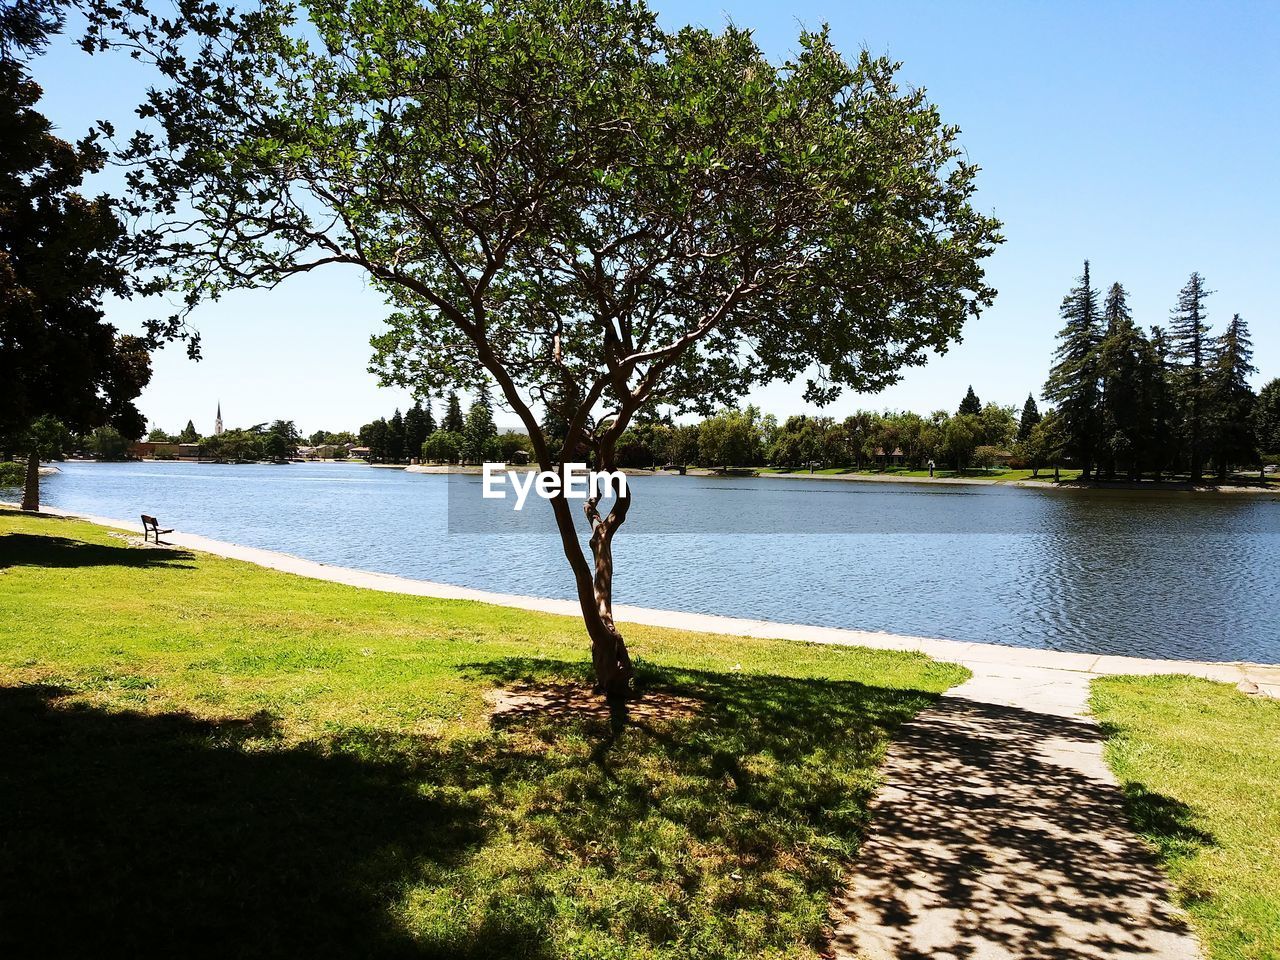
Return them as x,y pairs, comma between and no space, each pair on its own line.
151,528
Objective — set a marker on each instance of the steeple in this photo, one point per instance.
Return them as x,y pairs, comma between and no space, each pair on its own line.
217,424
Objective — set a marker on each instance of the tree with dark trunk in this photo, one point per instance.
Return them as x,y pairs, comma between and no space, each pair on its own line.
1124,363
1073,381
1231,399
563,198
60,255
1189,348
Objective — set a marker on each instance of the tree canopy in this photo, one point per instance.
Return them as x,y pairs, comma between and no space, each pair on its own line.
595,213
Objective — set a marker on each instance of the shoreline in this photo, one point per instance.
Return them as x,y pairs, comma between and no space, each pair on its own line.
982,658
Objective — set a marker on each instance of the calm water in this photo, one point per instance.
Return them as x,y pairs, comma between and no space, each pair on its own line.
1160,575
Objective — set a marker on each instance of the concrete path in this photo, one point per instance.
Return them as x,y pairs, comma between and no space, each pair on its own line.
999,835
999,832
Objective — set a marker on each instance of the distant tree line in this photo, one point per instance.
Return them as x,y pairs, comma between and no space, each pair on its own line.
1172,400
472,437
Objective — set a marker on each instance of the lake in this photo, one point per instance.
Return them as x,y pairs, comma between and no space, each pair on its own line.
1159,574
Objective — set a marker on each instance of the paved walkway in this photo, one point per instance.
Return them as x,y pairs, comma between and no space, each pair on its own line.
999,832
999,835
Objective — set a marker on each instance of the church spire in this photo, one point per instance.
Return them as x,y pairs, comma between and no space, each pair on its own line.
217,424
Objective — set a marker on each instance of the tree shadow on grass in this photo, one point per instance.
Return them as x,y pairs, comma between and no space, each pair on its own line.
40,550
132,834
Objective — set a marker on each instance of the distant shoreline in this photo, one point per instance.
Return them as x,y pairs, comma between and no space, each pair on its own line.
746,473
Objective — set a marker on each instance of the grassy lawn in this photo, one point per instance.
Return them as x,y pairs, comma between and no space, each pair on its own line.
1200,765
202,752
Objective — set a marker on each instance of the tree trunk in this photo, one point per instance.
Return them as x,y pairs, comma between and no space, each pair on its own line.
31,491
609,656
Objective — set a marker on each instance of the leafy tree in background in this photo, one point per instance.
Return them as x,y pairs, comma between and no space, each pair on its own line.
1046,442
998,426
443,446
157,435
107,443
317,439
1073,380
1232,400
566,199
280,441
960,438
189,434
970,405
683,449
453,421
731,438
60,255
1190,349
1030,417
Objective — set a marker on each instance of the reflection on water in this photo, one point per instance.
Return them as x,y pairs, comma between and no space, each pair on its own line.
1151,574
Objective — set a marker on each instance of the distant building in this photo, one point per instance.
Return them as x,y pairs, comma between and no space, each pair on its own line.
217,424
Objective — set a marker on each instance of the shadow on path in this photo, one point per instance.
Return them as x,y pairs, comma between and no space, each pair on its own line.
999,834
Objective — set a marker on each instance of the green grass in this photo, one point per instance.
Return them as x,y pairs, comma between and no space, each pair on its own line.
201,751
1200,766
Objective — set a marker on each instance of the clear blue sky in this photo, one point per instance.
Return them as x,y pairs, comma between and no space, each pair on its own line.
1145,136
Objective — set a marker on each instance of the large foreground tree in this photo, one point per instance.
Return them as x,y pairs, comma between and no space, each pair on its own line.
597,215
60,255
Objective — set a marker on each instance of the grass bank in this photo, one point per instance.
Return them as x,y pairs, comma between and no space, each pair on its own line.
200,753
1200,767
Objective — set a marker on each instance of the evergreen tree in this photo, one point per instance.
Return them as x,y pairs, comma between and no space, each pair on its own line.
1266,419
189,434
395,437
453,422
1162,430
415,430
1231,399
1073,381
428,417
1030,417
970,404
1189,348
374,436
480,435
1124,363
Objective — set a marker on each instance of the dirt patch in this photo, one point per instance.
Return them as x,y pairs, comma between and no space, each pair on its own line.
577,700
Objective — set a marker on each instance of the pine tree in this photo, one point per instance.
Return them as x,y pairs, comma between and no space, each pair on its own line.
1231,400
1189,348
1266,419
1073,381
189,434
1030,417
415,430
453,421
1124,362
1158,377
428,417
395,437
970,404
479,434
